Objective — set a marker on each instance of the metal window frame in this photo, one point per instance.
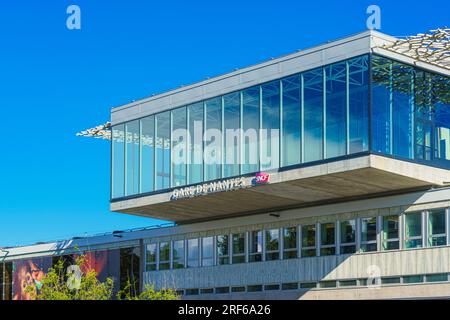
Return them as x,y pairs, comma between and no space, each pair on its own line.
238,255
266,252
423,231
376,241
328,246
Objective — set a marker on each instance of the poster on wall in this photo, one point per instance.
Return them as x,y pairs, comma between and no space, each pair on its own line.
29,273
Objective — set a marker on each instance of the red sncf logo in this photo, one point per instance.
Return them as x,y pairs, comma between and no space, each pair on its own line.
262,178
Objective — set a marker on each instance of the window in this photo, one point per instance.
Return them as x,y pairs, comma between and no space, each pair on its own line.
132,158
207,251
164,255
193,253
413,230
439,277
271,287
238,289
179,147
178,254
196,126
255,288
309,241
192,292
327,284
289,286
147,154
207,291
250,122
272,244
369,234
238,248
358,104
436,228
223,290
390,280
390,232
348,236
270,133
118,162
412,279
290,243
308,285
232,134
213,139
313,114
151,257
291,129
223,251
163,150
336,110
348,283
327,239
255,246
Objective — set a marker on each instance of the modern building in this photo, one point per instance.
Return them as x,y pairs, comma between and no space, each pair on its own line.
323,174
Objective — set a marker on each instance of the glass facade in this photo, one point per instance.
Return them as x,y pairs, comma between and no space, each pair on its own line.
321,114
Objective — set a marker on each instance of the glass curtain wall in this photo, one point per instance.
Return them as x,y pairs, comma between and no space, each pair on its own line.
282,123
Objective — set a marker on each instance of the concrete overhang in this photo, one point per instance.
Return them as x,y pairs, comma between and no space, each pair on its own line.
341,180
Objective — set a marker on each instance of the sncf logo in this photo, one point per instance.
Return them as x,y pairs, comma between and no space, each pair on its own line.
262,178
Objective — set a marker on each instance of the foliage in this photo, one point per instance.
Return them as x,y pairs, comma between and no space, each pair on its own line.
59,284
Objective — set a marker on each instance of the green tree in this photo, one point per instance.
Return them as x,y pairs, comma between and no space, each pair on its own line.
149,293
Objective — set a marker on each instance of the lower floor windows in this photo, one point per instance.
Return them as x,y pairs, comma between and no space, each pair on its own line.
256,288
390,280
369,234
223,253
238,248
348,236
151,252
413,230
255,246
193,253
327,284
289,286
390,232
164,255
272,244
437,228
290,243
309,240
348,283
439,277
327,239
412,279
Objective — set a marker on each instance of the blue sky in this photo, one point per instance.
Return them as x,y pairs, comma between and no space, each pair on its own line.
55,82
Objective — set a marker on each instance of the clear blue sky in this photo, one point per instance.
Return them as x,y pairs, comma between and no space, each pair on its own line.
55,82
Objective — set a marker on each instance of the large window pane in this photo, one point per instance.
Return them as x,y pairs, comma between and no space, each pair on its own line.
118,163
390,232
196,124
147,154
207,251
151,253
441,113
132,156
313,114
193,253
413,230
213,139
358,100
309,240
290,243
348,236
250,128
272,244
223,249
291,133
178,254
403,110
424,114
270,143
336,110
238,248
164,255
179,147
436,228
369,234
327,239
381,104
163,150
232,110
255,245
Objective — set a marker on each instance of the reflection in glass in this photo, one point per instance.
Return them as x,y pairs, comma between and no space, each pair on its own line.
196,124
313,113
179,147
390,232
223,249
290,243
272,244
193,253
238,248
309,240
291,133
270,143
436,228
232,111
413,230
132,156
348,236
255,246
118,163
178,254
213,139
207,251
250,98
327,239
147,154
164,255
369,234
336,110
163,150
